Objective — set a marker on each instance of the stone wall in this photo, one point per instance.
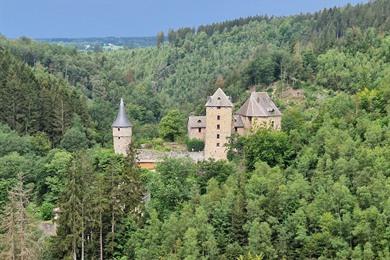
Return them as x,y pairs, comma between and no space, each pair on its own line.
121,139
267,122
262,122
217,137
238,130
194,133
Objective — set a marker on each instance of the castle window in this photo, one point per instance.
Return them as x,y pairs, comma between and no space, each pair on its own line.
217,136
250,119
236,129
119,137
217,144
199,121
218,127
199,130
218,117
218,107
273,123
119,129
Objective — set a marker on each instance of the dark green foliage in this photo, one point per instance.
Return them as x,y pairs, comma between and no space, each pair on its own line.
173,185
195,145
272,147
260,70
74,139
47,210
218,170
31,100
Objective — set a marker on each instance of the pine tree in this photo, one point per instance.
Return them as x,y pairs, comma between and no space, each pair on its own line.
18,241
69,225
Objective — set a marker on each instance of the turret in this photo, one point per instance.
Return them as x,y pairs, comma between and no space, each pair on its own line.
121,131
219,120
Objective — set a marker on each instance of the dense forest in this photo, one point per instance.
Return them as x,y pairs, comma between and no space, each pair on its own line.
320,188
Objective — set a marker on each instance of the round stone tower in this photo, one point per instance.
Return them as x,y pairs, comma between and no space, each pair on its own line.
121,131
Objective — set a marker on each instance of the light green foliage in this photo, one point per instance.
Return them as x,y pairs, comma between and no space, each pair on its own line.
172,125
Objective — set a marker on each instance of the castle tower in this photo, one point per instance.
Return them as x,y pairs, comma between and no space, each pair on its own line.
219,120
121,131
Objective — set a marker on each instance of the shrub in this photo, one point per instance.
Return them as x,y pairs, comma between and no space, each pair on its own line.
47,210
195,145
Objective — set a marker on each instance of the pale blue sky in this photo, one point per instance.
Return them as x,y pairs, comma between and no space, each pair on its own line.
90,18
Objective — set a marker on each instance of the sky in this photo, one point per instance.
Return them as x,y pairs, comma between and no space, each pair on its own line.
133,18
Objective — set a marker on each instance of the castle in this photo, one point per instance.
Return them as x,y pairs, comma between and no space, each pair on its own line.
220,123
215,128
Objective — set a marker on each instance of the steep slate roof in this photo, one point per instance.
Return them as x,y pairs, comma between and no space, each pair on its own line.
219,99
121,119
238,121
259,104
197,122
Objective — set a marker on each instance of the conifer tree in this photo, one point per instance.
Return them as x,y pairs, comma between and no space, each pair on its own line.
18,241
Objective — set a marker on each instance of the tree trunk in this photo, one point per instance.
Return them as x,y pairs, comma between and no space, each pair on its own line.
82,232
101,235
62,118
113,229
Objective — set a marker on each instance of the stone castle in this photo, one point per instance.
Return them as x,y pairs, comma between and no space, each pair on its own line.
215,128
220,122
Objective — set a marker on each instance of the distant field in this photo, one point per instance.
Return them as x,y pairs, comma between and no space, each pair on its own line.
104,43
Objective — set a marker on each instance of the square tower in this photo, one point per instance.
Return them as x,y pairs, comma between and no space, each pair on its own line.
219,123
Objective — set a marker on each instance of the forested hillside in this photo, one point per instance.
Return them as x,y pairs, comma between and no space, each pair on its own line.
320,188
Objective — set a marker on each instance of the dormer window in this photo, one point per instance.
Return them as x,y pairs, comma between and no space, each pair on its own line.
219,98
270,109
199,121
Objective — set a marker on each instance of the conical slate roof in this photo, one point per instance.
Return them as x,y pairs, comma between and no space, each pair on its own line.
121,119
219,99
259,104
